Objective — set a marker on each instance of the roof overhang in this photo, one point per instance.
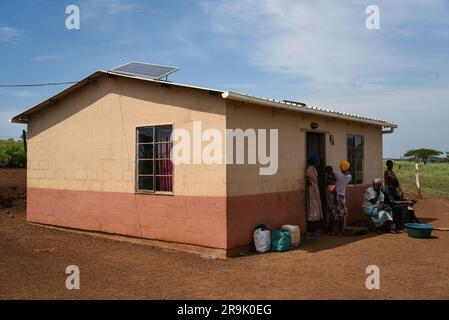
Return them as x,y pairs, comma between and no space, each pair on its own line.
305,109
24,116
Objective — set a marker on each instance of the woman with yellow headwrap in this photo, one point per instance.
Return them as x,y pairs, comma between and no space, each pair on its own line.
344,166
341,211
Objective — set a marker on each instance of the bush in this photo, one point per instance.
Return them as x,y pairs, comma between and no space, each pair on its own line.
12,154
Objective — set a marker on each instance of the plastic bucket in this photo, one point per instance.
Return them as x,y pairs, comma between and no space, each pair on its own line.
280,240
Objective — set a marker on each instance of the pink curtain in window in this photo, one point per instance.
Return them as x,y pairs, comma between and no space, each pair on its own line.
164,167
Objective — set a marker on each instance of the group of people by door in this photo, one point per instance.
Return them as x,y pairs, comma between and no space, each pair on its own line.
336,183
385,204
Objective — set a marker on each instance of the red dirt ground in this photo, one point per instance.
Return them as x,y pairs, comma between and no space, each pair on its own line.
33,261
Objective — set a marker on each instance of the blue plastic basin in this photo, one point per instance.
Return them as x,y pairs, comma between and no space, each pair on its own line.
419,230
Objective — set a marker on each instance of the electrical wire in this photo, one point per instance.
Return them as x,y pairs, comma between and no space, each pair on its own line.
37,84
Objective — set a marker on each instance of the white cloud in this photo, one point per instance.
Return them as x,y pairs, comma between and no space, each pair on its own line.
16,93
10,35
49,57
303,39
398,73
325,42
98,9
112,20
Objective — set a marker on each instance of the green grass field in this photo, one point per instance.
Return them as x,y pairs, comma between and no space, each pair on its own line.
434,177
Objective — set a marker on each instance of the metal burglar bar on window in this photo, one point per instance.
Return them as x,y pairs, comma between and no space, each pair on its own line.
355,153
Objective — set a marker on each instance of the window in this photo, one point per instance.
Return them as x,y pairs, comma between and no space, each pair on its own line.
154,168
355,157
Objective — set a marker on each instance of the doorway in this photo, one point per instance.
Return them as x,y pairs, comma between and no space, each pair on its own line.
316,144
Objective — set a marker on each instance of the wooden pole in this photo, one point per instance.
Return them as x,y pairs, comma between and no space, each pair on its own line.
418,185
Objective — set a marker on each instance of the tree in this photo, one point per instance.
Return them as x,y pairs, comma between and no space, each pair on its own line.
12,154
423,154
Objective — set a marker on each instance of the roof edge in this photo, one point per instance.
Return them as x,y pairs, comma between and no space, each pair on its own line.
307,109
23,117
163,81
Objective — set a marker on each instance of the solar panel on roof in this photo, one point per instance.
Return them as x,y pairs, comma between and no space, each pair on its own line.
145,70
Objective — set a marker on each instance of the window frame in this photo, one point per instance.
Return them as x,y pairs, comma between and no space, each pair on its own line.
352,160
154,159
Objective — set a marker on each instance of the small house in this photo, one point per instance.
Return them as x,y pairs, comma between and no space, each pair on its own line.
99,159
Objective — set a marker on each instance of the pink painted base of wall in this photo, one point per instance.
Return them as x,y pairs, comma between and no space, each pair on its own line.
183,219
216,222
271,209
354,198
276,209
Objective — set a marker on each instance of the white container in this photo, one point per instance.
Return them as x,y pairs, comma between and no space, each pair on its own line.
262,240
295,234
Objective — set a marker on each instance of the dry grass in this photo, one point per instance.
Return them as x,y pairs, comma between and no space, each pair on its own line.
434,177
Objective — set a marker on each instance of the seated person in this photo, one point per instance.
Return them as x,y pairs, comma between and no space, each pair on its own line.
374,207
402,208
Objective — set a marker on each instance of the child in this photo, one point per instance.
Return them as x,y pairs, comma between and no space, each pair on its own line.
331,196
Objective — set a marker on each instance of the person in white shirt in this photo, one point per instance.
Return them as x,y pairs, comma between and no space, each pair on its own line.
341,211
374,207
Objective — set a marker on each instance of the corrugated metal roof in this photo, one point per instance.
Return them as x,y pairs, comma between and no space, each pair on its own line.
23,117
308,109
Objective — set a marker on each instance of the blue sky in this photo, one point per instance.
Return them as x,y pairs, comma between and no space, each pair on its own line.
318,52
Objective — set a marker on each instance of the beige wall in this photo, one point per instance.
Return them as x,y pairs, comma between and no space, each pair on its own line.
246,180
86,141
81,165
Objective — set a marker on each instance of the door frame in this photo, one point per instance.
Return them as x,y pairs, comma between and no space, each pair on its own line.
321,171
